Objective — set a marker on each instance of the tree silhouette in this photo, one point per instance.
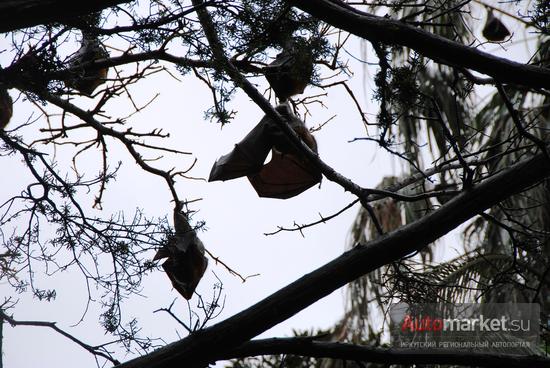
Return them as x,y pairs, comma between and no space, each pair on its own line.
468,127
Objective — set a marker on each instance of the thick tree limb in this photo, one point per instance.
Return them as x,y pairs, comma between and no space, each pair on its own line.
17,14
322,349
437,48
203,346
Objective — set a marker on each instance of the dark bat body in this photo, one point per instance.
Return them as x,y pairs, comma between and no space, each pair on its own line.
86,79
6,107
290,72
286,175
494,29
185,271
186,262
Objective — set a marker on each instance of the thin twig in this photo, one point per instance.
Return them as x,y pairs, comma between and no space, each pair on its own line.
517,122
93,350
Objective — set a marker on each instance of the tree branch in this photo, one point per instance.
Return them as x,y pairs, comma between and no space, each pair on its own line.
437,48
91,349
17,14
203,346
227,66
322,349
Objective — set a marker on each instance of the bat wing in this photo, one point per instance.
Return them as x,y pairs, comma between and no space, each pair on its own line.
235,164
247,157
173,273
185,271
285,176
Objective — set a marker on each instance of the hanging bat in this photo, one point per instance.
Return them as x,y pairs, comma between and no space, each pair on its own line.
247,157
286,175
186,262
86,79
6,107
494,29
291,71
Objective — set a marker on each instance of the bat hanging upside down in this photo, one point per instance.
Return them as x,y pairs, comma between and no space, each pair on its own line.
288,173
494,29
186,262
86,79
291,71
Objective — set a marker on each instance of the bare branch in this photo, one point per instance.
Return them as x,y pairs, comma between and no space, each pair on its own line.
91,349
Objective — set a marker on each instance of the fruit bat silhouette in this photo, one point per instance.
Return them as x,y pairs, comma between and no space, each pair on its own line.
494,29
288,173
86,79
291,71
186,262
6,107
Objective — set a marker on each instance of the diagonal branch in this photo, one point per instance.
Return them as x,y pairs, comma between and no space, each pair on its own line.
200,347
227,66
437,48
518,123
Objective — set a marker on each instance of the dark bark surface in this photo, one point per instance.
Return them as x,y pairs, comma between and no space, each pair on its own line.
17,14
